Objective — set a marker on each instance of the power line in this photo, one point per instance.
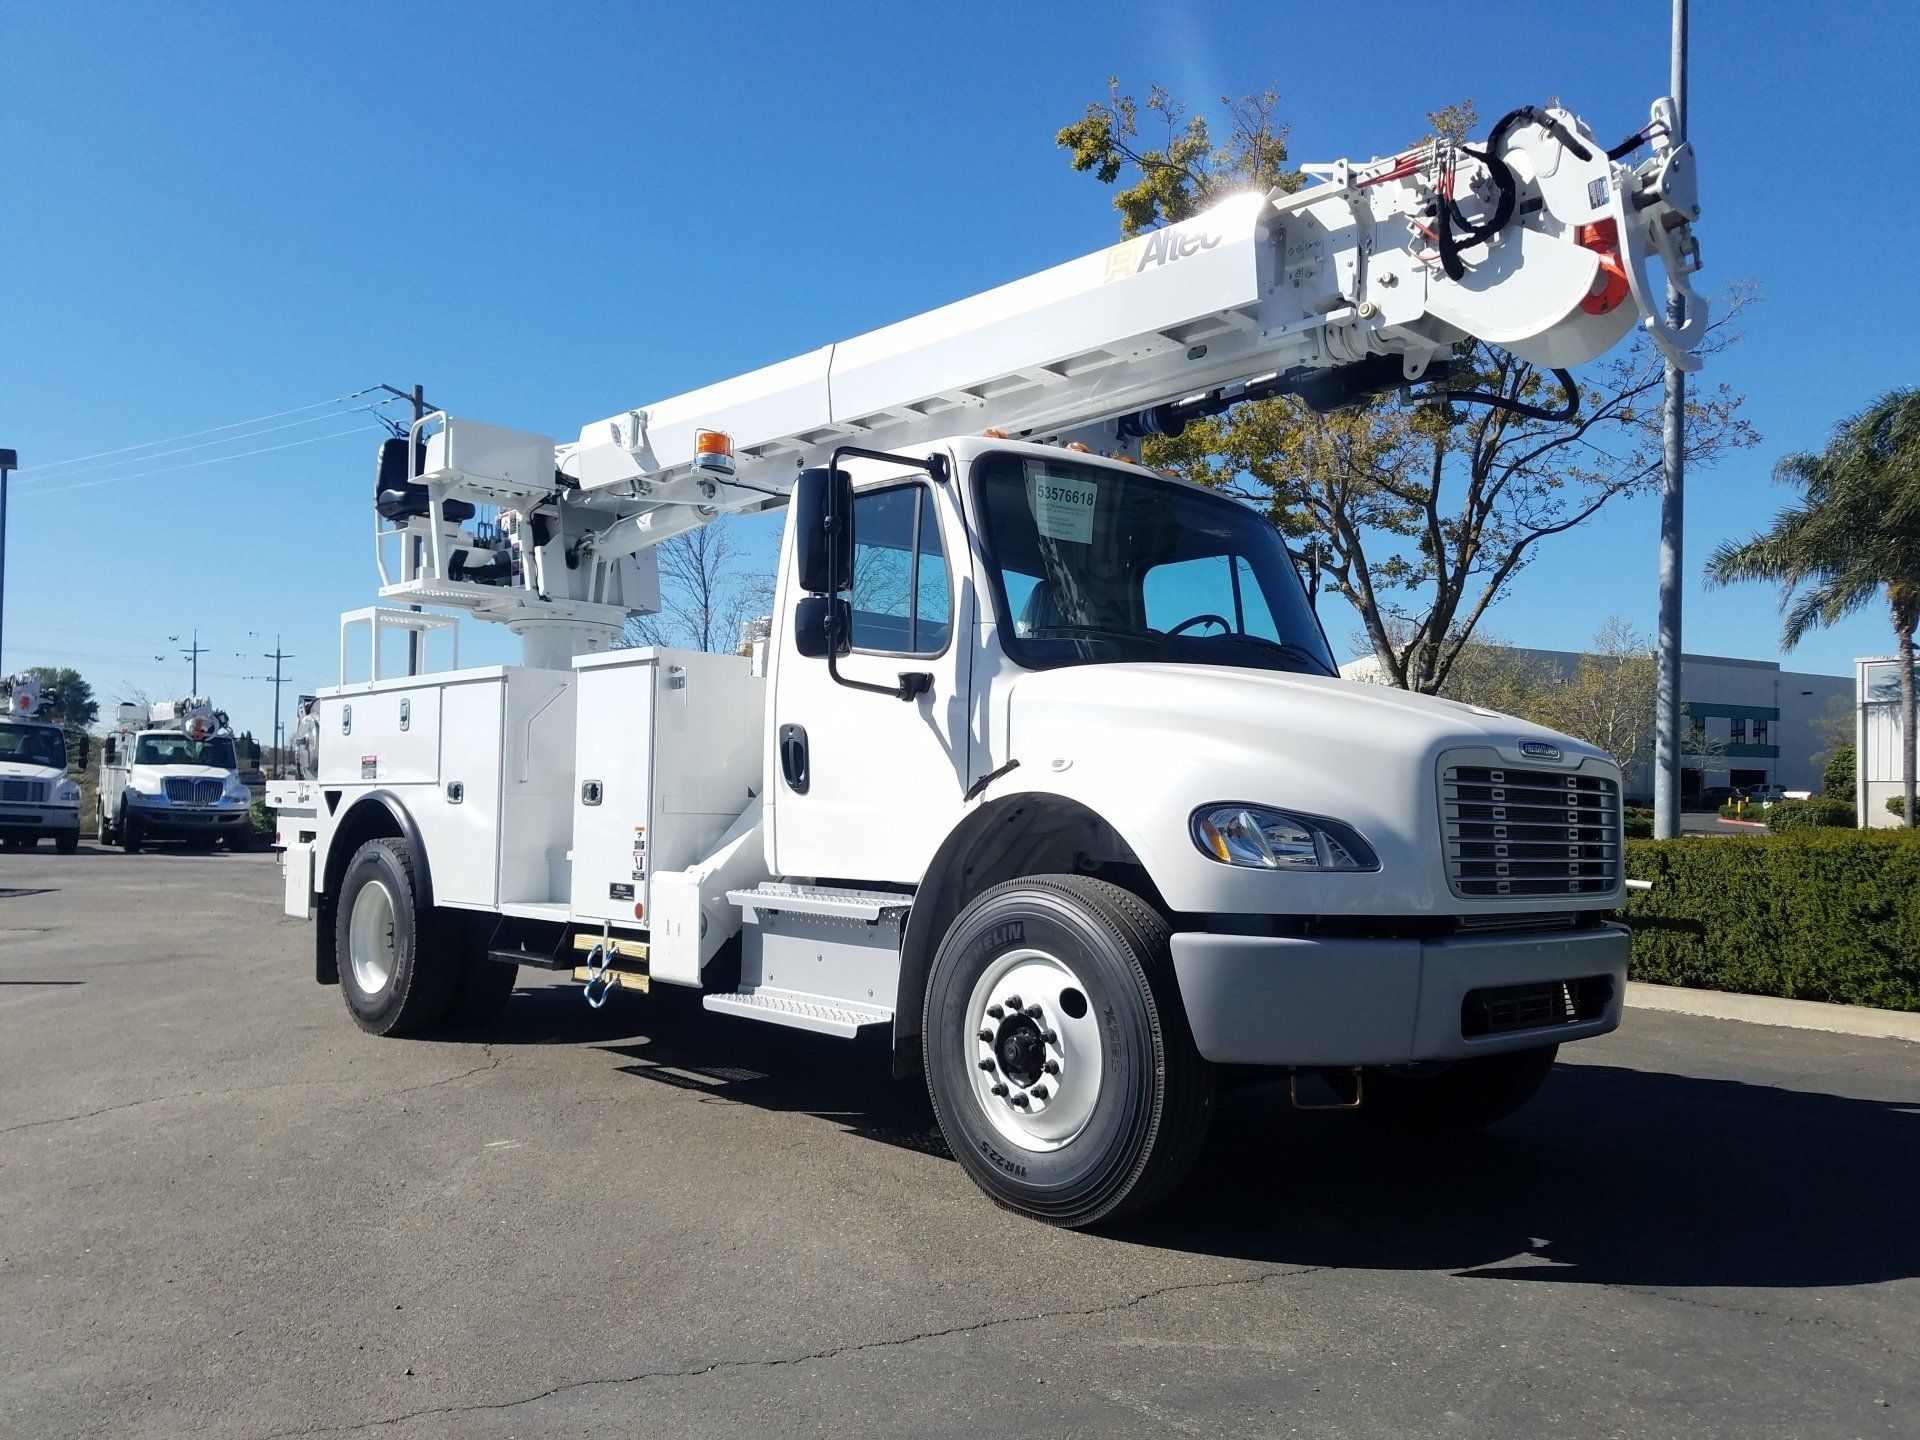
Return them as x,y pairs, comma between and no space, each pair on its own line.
213,430
203,445
197,464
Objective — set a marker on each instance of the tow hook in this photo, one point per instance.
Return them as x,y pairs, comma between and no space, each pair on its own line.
599,976
1342,1088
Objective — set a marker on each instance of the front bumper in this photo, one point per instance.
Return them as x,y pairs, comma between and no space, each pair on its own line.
23,822
162,821
1269,1000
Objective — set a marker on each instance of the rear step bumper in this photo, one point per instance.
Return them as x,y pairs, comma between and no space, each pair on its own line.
1270,1000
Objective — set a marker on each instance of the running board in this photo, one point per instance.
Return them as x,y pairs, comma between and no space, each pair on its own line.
777,898
801,1012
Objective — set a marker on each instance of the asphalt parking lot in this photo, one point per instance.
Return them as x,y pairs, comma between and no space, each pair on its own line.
226,1212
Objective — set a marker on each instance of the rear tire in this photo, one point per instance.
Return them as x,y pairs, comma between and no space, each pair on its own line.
1464,1096
396,970
1096,1101
104,829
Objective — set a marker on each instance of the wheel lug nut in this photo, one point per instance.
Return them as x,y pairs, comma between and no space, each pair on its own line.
999,1089
1051,1038
996,1012
1040,1092
1053,1067
986,1064
1013,1002
1034,1010
1020,1101
987,1035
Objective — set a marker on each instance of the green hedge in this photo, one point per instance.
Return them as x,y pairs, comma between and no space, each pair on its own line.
1820,814
1810,915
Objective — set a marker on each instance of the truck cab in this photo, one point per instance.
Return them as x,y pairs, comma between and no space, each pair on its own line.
37,799
175,777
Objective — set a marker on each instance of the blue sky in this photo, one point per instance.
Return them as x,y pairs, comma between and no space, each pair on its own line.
548,214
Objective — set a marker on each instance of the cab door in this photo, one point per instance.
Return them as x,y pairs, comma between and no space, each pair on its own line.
864,786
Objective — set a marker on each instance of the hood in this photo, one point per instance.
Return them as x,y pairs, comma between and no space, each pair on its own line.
21,770
1146,745
1286,707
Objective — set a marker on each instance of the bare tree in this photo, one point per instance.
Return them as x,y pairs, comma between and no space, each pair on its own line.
709,590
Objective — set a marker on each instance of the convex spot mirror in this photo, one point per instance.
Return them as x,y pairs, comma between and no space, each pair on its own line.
823,531
821,626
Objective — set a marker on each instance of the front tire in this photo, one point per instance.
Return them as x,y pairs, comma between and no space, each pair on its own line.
128,830
1057,1054
396,972
67,843
1463,1096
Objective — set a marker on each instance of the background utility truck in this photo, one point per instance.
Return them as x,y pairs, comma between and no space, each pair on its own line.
168,771
1046,773
36,798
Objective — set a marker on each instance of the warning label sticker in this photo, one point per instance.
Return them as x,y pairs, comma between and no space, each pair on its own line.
1062,507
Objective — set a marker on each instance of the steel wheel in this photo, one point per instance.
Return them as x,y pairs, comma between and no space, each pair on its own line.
371,948
1038,1056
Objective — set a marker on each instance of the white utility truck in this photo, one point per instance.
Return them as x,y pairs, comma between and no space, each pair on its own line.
168,771
1046,773
36,798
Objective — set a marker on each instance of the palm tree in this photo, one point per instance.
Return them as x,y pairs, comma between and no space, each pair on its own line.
1854,535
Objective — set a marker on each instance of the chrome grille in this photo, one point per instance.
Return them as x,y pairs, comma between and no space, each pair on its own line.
24,792
192,790
1511,831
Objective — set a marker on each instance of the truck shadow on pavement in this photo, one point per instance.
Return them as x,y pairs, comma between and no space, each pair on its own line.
1612,1176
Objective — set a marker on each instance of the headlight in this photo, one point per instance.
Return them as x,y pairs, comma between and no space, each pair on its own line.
236,792
1279,839
66,793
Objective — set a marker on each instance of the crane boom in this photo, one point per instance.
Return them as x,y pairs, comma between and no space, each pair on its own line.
1362,281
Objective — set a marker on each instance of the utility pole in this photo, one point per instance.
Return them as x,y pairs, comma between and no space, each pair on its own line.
417,396
9,462
194,655
1667,700
278,656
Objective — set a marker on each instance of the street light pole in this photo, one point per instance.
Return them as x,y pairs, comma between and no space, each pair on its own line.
1667,700
9,462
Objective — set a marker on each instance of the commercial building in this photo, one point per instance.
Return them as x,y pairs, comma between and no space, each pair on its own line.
1750,722
1877,733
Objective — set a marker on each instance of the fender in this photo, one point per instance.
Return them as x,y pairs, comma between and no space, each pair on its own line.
1031,832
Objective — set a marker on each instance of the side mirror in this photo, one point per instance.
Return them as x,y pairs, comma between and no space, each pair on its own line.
823,531
822,626
253,754
86,752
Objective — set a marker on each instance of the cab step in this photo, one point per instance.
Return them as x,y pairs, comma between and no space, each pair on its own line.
776,897
801,1012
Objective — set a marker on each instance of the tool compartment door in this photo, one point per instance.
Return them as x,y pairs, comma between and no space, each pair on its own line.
613,798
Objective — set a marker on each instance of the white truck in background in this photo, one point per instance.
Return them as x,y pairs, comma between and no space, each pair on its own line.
1046,772
169,771
37,799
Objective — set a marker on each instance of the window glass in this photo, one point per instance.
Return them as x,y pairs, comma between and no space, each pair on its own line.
159,749
33,745
1096,565
902,599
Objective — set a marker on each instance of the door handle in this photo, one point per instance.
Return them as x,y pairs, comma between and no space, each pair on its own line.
793,758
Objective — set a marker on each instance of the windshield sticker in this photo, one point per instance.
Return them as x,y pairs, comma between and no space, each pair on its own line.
1063,508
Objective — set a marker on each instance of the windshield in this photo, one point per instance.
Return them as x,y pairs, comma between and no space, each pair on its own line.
33,745
1096,565
181,750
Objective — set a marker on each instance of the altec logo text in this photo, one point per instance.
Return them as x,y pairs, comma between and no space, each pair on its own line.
1162,247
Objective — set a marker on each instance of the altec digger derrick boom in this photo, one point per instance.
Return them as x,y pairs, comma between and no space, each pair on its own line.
1364,280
